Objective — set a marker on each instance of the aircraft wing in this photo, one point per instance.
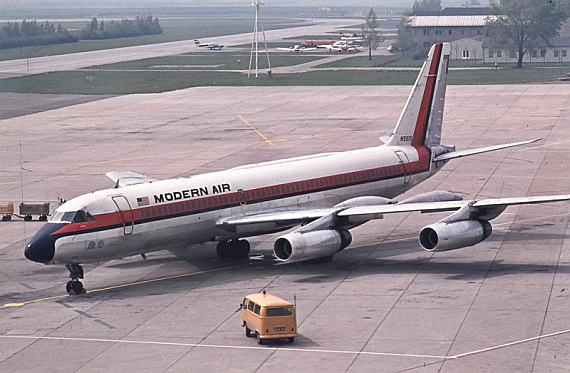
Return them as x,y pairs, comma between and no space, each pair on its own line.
359,214
376,212
124,178
466,152
272,220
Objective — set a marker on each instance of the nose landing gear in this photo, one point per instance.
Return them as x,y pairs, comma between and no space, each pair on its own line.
75,287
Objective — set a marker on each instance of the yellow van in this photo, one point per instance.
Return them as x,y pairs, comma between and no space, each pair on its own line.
266,316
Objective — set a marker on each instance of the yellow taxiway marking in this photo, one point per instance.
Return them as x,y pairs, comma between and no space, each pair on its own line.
292,349
255,130
61,296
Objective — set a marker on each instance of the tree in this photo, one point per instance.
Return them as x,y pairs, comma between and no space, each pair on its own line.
469,3
370,33
523,25
405,41
426,6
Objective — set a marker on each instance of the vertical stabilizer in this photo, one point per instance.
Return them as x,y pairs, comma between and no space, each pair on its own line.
421,120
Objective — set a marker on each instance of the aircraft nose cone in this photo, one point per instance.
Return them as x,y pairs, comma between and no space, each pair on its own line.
41,248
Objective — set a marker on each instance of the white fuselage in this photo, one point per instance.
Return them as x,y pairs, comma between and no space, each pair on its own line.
172,213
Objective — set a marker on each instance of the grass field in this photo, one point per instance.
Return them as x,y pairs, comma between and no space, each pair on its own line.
127,82
211,61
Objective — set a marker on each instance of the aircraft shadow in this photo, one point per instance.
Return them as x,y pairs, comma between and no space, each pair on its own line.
196,266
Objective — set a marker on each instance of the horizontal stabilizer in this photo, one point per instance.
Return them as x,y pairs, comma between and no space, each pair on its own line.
485,149
124,178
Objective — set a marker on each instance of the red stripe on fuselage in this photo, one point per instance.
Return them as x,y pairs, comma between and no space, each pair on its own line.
427,99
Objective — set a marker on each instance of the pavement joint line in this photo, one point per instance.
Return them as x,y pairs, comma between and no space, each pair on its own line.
21,304
255,130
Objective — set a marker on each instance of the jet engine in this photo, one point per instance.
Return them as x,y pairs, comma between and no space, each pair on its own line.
297,246
451,236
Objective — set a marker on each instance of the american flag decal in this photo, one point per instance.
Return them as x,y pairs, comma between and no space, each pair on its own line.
142,201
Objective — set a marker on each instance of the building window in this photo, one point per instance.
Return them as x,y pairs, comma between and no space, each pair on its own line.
556,53
479,32
465,53
449,32
426,31
462,32
499,54
438,32
564,53
533,54
543,53
490,54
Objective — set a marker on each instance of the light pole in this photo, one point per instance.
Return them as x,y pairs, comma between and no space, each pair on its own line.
255,41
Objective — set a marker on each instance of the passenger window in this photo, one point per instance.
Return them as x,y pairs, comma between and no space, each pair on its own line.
256,309
250,306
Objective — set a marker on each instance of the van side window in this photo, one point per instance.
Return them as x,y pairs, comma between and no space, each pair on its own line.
256,309
244,303
250,306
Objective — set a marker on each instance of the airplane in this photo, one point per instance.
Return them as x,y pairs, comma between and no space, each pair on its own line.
210,46
355,39
340,46
325,195
297,48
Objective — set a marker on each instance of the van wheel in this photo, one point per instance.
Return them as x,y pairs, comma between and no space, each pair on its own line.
258,338
248,332
291,339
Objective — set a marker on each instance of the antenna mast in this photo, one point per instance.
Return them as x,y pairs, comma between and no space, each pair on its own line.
255,41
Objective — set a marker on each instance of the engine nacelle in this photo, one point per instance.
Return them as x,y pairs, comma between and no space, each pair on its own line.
296,246
452,236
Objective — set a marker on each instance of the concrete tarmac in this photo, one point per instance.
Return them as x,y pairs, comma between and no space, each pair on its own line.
382,305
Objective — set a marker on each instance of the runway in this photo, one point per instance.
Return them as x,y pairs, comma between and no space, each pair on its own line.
382,305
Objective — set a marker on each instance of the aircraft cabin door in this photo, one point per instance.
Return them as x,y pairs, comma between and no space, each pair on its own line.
405,161
126,213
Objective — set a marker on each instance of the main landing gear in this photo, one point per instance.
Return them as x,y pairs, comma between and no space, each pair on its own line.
235,249
75,286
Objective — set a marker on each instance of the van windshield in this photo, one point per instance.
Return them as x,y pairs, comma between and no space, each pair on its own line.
279,311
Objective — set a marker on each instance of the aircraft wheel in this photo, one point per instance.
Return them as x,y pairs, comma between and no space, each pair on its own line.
75,287
244,249
248,332
221,249
28,218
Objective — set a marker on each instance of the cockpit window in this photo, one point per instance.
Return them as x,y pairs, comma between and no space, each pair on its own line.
80,217
72,216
